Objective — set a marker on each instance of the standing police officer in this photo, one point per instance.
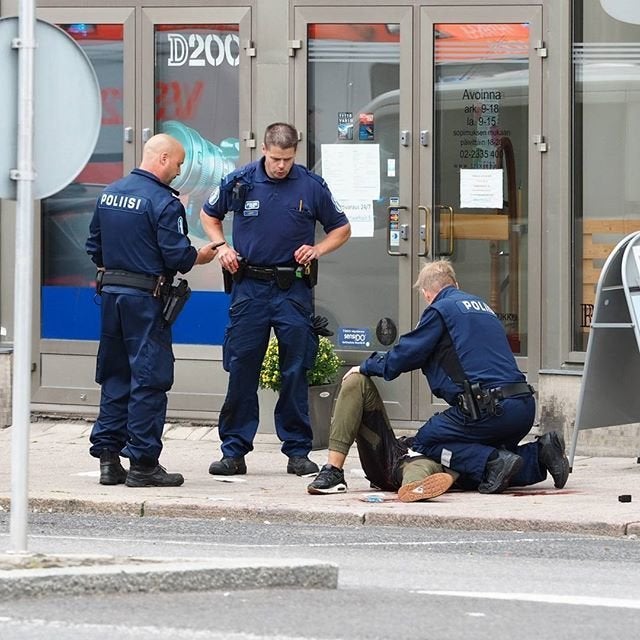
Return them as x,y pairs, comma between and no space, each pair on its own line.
461,347
276,204
138,240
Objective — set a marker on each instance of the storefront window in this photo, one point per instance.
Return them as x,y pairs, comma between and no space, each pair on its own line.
606,132
67,309
197,93
66,214
196,101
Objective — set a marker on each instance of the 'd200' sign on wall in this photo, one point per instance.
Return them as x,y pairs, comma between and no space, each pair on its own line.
196,50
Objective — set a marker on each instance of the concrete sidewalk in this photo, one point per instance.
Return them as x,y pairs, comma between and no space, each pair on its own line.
63,477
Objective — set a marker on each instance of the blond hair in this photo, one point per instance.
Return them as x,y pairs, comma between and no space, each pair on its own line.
436,275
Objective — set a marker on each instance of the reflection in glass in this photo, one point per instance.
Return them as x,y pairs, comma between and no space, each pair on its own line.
196,101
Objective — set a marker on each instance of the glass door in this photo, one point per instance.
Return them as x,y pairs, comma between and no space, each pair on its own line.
480,159
353,91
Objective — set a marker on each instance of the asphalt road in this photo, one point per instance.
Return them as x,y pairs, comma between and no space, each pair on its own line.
400,583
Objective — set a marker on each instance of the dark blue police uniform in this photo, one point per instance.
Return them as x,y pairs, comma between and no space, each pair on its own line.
460,338
138,226
272,218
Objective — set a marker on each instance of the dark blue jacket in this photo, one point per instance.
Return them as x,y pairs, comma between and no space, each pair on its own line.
140,225
459,337
273,218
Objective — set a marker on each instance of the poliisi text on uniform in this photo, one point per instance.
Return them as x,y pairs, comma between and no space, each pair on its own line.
477,305
120,201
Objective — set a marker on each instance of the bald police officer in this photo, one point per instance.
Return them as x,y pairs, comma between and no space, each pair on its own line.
276,205
138,240
461,347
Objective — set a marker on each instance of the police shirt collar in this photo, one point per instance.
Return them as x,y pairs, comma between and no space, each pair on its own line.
261,174
148,174
444,292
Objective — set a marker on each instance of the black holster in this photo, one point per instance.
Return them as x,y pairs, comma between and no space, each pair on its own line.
471,400
174,298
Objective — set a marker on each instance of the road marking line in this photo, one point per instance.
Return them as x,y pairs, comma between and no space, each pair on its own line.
396,543
581,601
143,631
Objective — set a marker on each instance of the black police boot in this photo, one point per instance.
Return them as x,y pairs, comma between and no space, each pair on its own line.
552,457
141,475
302,466
111,471
228,467
499,471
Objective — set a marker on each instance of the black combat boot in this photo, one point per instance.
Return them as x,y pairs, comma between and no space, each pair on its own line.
552,456
499,471
141,475
302,466
111,471
228,466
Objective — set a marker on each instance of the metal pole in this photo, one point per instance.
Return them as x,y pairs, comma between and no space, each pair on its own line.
23,296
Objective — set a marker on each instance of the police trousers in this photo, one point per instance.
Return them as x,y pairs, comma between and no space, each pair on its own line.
359,416
257,306
465,445
135,368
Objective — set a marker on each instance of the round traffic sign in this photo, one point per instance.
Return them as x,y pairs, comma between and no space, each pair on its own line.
67,109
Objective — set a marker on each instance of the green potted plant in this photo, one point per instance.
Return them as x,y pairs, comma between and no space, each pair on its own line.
323,384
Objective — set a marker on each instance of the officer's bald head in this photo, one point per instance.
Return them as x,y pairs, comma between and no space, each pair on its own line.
162,155
434,277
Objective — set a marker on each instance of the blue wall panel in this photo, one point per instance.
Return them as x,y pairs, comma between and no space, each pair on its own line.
73,313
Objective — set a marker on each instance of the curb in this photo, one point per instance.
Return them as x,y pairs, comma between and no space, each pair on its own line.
344,517
151,575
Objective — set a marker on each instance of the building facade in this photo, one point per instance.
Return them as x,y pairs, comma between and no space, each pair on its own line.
499,134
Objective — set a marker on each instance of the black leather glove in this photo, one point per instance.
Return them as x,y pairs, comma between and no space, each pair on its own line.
320,326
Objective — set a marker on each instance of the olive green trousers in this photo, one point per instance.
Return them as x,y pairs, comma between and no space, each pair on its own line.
359,416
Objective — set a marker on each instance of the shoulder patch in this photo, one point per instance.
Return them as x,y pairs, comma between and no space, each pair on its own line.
215,196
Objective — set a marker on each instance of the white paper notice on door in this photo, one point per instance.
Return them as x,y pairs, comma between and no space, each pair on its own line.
352,171
481,189
360,214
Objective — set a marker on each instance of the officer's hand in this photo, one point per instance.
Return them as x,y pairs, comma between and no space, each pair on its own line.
305,254
355,369
228,258
320,326
206,253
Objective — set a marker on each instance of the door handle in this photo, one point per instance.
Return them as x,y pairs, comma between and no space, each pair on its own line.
451,228
426,231
390,212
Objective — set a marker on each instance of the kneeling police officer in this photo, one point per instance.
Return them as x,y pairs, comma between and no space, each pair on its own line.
138,240
461,347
